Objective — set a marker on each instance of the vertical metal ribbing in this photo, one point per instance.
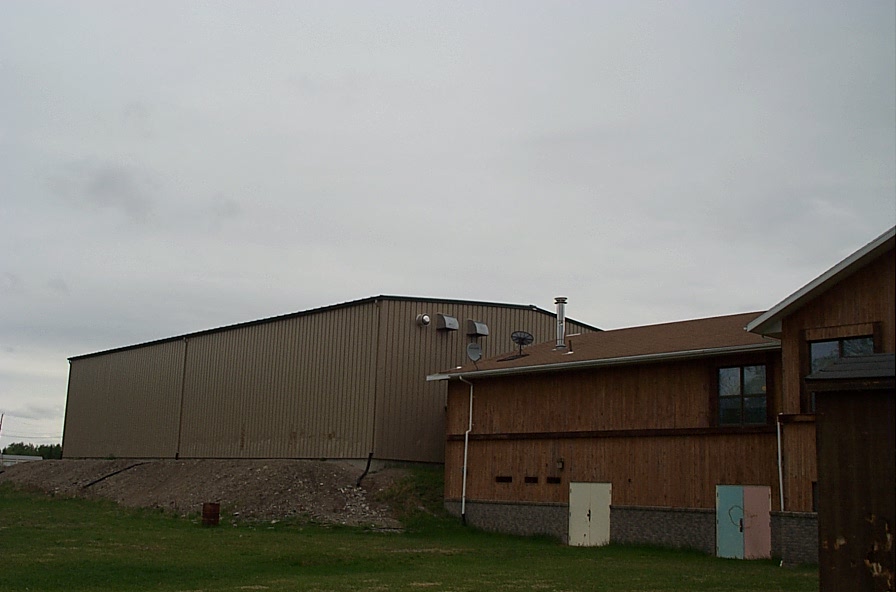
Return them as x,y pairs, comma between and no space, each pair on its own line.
180,409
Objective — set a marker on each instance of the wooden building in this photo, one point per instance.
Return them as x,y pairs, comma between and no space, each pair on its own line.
842,319
849,310
667,419
662,414
855,401
345,381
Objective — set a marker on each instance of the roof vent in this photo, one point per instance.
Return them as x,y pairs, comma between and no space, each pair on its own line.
476,328
560,301
446,323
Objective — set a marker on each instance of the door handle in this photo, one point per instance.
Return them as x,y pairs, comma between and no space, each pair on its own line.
741,524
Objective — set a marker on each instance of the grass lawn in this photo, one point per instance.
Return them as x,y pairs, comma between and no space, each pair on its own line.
49,544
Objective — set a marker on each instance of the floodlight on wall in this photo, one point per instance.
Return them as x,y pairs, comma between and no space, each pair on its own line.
476,328
446,323
423,319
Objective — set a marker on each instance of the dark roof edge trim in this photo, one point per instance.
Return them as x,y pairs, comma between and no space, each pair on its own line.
584,364
320,309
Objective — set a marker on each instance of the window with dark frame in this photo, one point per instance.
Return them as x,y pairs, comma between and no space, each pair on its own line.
743,395
823,353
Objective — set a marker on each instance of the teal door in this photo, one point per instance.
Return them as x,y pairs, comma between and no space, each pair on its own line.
730,521
743,521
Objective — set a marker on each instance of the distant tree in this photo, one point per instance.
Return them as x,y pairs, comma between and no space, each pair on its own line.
50,451
21,448
46,451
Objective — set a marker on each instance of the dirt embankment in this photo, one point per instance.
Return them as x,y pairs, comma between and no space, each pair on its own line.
320,491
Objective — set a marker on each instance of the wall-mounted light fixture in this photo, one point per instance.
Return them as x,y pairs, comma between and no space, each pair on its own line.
423,319
559,464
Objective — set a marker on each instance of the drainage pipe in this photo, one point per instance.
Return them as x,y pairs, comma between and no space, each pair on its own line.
780,465
463,494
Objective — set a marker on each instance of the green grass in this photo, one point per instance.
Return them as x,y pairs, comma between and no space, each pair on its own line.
50,544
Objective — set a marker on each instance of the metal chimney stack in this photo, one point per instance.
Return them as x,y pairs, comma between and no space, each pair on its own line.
560,301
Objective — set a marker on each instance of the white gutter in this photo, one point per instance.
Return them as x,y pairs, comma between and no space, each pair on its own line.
463,494
780,465
666,356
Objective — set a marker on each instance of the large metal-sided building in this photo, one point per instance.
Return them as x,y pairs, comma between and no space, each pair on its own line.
340,382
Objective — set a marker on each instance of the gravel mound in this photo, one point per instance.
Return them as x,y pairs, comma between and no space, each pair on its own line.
318,491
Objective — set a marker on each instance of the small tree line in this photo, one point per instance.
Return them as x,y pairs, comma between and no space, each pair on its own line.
45,451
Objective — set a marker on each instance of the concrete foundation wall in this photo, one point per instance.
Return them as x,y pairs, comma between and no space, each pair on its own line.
795,537
520,519
794,534
665,527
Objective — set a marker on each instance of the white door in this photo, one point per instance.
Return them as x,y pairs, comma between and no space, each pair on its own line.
589,514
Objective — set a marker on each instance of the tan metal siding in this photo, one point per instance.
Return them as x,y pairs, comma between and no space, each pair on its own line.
338,382
410,411
125,404
296,387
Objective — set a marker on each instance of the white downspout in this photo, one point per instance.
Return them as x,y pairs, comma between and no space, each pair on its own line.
780,465
463,494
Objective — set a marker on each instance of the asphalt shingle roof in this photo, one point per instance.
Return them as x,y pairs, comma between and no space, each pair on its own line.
666,339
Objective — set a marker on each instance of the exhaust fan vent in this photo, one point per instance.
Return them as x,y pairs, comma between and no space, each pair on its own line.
476,328
446,323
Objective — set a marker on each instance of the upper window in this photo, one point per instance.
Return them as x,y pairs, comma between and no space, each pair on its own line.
822,353
743,395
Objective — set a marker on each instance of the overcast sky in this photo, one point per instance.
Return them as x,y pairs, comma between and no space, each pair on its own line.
168,167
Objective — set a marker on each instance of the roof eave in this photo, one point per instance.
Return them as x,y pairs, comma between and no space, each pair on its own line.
769,323
585,364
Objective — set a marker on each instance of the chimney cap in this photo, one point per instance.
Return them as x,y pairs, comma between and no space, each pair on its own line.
560,300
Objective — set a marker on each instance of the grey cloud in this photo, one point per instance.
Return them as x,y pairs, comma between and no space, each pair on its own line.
224,208
10,283
32,411
57,285
107,186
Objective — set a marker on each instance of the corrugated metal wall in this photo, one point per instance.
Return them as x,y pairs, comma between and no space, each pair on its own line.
297,387
410,411
338,382
125,403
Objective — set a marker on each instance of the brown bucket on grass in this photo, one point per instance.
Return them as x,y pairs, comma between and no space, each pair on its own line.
211,513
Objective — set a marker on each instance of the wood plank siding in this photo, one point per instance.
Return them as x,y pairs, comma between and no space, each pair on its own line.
859,305
649,429
862,304
668,471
